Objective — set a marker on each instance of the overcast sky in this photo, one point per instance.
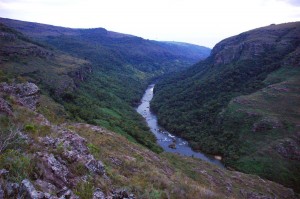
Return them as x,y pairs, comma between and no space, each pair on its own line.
203,22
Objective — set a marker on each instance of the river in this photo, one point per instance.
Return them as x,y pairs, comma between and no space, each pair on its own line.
165,138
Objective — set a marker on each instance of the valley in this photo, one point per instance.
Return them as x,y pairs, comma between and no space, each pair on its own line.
241,102
92,113
165,139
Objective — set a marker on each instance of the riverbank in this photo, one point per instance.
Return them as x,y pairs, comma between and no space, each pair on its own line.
165,139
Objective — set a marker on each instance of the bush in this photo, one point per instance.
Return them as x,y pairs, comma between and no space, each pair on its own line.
30,128
84,190
9,136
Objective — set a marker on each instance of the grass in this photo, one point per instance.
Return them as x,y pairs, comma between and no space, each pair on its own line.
19,165
274,110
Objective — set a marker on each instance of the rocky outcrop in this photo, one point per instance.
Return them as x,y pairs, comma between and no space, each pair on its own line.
289,149
26,94
28,191
122,194
1,193
74,149
5,107
24,51
256,44
98,194
53,170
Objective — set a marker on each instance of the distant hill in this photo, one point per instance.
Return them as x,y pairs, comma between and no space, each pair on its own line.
242,102
146,55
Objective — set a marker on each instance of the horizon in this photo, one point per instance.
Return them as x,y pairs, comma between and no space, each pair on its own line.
202,23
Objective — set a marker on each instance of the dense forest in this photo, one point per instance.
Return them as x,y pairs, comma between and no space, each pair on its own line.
226,104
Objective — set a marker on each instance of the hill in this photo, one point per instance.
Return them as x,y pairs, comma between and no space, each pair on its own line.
41,159
114,72
242,102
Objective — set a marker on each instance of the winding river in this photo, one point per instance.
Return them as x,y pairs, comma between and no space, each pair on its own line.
165,139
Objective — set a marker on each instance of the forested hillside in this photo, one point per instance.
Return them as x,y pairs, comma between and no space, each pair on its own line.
108,82
242,102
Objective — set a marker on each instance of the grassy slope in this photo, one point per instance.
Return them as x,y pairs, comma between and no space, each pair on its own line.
271,116
192,103
128,165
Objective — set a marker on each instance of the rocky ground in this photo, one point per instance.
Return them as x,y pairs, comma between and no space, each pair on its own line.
77,160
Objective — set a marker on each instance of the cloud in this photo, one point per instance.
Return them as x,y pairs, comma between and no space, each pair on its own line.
292,2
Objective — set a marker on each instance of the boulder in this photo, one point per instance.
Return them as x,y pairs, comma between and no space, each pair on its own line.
26,94
172,146
3,172
12,189
1,192
95,166
45,186
5,107
27,190
65,192
122,194
53,170
98,194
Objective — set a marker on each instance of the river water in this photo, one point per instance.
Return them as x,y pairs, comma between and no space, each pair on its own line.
165,138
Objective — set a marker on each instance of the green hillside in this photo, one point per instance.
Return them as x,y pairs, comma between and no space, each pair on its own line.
42,159
108,82
242,103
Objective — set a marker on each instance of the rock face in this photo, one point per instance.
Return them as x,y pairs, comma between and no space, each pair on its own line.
5,107
26,94
74,149
253,45
28,190
53,171
98,194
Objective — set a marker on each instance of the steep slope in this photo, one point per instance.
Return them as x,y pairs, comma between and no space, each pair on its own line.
209,104
78,160
121,67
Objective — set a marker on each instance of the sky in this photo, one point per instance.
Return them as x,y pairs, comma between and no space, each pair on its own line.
202,22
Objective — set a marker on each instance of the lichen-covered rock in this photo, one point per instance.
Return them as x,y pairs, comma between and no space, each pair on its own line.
26,94
74,149
289,148
28,191
3,172
12,189
53,170
1,192
98,194
45,186
95,166
253,195
5,107
122,194
65,192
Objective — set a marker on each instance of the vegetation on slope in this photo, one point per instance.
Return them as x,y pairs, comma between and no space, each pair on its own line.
51,157
114,72
194,104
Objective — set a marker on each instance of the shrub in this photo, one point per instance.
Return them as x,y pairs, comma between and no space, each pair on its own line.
9,136
30,128
84,190
18,165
